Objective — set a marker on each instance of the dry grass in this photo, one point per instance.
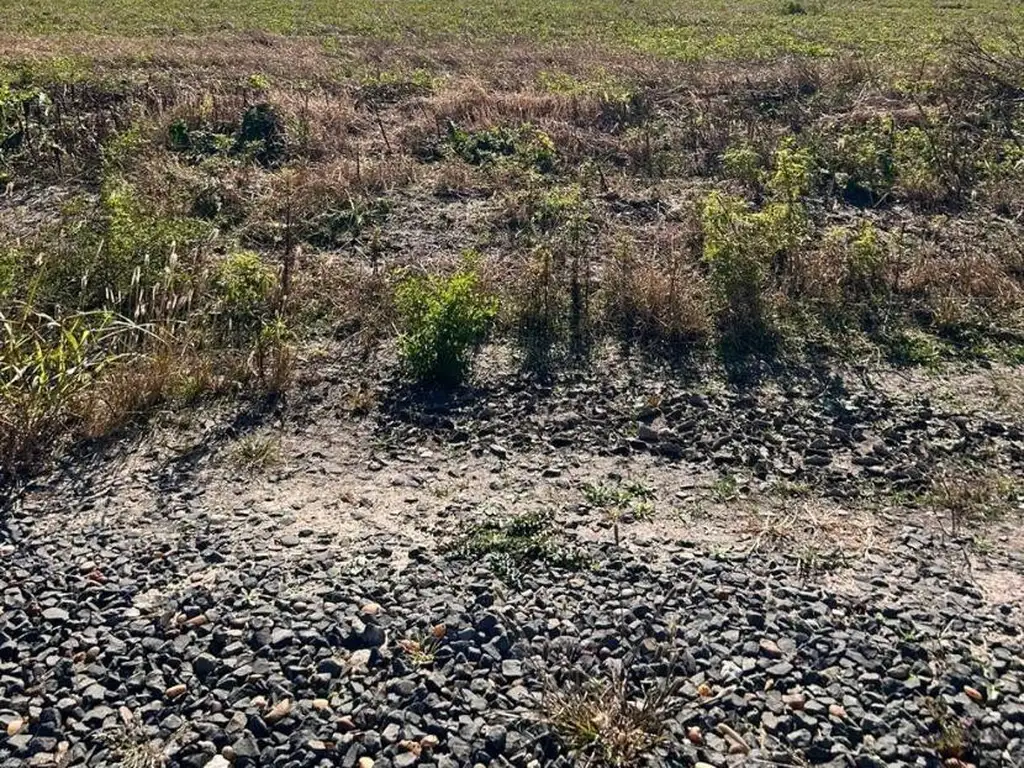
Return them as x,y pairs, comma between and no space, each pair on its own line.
965,495
659,298
256,453
606,724
604,242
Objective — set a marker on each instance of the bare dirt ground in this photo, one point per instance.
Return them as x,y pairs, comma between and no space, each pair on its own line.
312,470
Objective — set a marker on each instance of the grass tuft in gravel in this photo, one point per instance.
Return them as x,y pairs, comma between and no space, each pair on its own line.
604,723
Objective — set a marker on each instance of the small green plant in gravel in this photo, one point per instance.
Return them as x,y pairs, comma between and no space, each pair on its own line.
598,719
515,544
616,719
422,648
953,741
444,322
632,500
725,488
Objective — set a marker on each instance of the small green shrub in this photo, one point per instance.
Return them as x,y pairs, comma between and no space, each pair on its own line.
541,210
259,133
444,319
913,347
861,162
866,263
741,244
917,163
743,163
735,252
243,287
791,173
262,134
525,144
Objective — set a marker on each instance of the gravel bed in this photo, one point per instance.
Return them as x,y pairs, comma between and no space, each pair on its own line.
116,648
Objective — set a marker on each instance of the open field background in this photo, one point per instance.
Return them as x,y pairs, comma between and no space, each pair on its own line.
680,29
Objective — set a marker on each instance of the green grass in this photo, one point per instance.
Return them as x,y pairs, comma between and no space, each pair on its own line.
683,29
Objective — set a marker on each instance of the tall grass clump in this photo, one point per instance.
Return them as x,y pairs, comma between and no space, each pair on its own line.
48,368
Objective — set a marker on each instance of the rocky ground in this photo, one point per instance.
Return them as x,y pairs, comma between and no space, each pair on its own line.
765,569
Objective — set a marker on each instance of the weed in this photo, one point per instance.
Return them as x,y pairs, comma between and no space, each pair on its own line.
910,346
510,547
660,302
444,321
632,500
526,144
725,488
540,310
261,134
254,453
953,740
539,210
257,134
389,87
812,559
48,367
735,254
789,489
969,494
604,722
744,163
421,649
132,748
243,289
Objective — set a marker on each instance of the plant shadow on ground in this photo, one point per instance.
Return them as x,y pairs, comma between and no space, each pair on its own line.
87,461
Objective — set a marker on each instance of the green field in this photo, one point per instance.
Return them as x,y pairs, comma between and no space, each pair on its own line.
683,29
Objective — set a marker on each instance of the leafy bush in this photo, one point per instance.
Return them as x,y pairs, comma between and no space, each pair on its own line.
918,172
735,252
525,143
790,176
743,163
740,244
861,162
243,287
444,319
